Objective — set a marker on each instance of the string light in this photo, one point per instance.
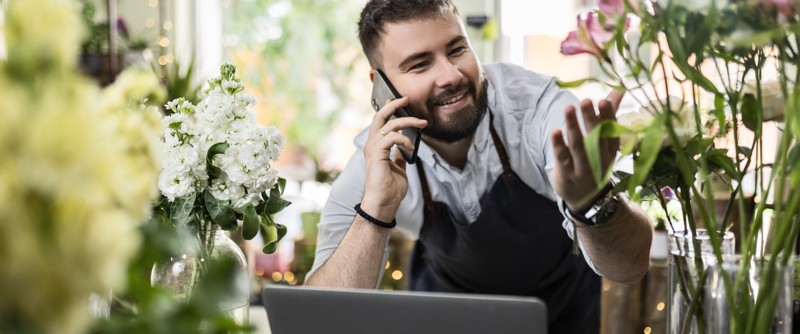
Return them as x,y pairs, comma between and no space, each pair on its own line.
276,276
162,60
660,306
167,25
153,3
163,41
289,276
647,330
606,286
397,275
149,23
388,264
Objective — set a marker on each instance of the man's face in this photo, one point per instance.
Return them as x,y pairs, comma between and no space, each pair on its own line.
432,63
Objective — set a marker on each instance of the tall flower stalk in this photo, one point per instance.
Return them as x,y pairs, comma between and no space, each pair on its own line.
725,72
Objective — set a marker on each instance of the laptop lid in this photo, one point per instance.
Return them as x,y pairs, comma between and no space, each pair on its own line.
312,310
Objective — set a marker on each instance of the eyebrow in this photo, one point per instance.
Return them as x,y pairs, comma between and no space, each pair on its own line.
425,54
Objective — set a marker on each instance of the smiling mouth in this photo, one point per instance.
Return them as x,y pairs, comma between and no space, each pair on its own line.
452,100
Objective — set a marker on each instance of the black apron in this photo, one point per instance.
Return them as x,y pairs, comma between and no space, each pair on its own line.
517,246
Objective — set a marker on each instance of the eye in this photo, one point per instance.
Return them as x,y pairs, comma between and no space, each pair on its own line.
419,66
458,51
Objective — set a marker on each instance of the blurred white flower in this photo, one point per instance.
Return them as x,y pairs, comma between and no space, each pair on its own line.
682,121
773,101
77,166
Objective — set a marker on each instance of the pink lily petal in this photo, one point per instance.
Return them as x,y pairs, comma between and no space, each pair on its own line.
572,45
612,7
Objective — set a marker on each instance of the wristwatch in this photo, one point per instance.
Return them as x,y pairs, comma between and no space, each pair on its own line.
601,211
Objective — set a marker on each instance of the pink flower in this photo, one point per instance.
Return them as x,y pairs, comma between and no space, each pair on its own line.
590,37
785,7
612,7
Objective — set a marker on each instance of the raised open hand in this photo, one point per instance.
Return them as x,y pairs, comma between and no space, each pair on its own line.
572,178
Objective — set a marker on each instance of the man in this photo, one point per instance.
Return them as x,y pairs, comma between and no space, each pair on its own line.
482,198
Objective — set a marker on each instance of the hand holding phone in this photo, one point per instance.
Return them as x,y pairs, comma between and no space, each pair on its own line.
382,91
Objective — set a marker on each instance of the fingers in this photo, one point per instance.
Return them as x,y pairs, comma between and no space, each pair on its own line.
614,98
385,114
561,152
590,119
575,135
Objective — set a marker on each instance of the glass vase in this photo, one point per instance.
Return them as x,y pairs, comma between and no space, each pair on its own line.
689,258
752,296
182,274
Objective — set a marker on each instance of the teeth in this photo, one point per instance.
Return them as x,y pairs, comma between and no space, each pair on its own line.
452,100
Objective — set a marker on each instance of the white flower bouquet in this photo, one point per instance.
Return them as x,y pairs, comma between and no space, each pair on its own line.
217,168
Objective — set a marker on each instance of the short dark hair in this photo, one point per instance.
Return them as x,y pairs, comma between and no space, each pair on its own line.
377,13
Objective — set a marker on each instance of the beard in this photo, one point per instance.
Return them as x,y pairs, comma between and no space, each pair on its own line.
461,124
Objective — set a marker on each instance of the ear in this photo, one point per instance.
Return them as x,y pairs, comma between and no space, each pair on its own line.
372,75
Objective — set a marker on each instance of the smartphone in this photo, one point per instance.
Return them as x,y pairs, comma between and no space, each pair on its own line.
382,91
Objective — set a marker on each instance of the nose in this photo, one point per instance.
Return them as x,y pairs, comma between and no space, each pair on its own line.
448,74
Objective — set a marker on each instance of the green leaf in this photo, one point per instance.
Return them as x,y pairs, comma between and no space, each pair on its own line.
250,221
719,112
281,231
281,185
751,113
792,110
698,145
221,212
214,171
576,83
270,247
269,233
745,151
648,152
275,203
793,160
719,158
591,143
182,208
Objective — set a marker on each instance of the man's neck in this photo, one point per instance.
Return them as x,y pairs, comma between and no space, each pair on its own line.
454,153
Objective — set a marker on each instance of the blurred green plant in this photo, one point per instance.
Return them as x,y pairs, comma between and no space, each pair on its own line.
96,33
178,81
148,309
302,55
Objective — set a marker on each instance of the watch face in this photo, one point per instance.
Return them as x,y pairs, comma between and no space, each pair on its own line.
607,211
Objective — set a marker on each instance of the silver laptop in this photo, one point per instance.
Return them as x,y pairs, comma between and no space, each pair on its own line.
310,310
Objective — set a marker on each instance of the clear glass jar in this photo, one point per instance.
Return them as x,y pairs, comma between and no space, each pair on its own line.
687,268
759,302
181,274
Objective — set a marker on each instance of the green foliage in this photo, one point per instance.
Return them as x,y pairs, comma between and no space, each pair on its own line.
143,308
313,55
96,39
179,81
714,58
